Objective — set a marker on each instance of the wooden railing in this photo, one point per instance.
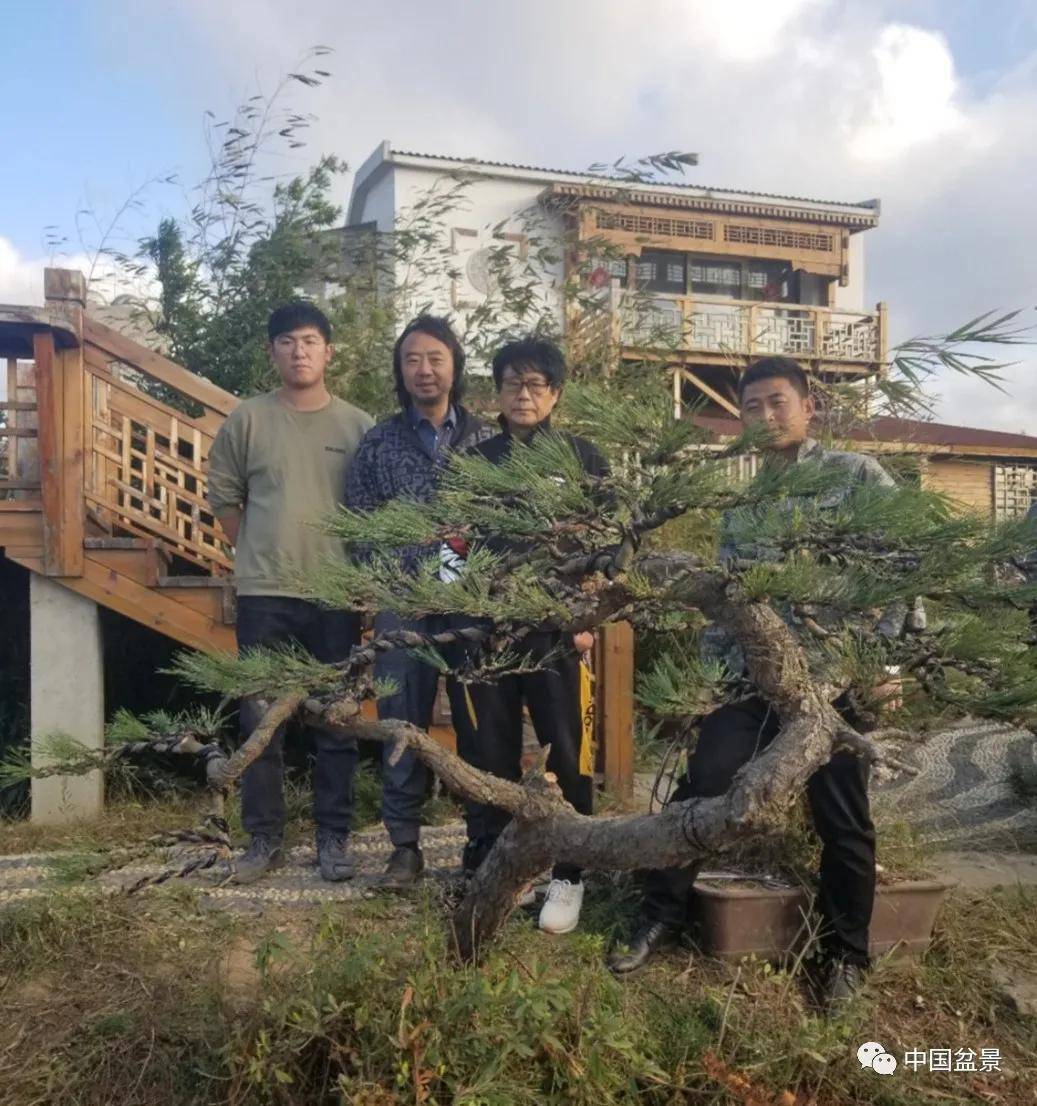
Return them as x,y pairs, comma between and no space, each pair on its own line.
715,325
145,459
98,431
19,458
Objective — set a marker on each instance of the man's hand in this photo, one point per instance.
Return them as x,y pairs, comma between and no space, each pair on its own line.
583,642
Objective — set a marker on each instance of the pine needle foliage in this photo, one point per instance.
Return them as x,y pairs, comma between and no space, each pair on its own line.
59,753
626,420
267,672
681,685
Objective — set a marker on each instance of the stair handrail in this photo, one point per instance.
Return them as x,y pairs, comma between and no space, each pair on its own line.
114,450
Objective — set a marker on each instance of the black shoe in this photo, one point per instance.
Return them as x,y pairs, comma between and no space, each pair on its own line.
336,863
403,870
650,938
842,981
263,854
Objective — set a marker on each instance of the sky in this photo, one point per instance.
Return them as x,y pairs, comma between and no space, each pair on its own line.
929,105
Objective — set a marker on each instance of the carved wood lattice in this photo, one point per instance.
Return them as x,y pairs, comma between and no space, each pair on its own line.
145,471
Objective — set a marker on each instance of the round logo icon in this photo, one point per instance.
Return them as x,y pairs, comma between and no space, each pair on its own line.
868,1051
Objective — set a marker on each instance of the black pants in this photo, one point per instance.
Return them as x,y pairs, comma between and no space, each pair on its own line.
838,797
328,635
405,783
557,710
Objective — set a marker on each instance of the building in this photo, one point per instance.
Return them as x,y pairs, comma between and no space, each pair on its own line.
730,275
988,471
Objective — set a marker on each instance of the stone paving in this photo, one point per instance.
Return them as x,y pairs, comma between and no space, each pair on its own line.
35,875
966,794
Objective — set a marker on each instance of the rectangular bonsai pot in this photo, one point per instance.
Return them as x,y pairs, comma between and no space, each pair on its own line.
731,922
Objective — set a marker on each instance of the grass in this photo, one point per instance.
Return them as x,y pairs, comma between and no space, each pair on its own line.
153,999
158,998
126,822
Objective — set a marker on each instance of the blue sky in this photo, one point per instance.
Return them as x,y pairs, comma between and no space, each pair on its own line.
930,105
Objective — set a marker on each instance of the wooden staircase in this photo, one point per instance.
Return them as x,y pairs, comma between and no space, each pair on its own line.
103,447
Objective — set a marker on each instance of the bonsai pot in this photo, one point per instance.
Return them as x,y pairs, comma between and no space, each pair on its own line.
742,920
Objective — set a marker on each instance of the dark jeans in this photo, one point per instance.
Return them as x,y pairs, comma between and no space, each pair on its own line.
405,784
328,636
838,797
557,710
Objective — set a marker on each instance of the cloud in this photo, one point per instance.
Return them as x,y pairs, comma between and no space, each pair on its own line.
21,278
743,31
913,97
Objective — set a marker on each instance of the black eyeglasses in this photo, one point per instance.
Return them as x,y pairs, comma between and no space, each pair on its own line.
514,386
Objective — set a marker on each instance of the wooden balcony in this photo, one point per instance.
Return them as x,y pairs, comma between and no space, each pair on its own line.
716,330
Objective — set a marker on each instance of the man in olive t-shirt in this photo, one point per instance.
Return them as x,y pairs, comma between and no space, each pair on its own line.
277,466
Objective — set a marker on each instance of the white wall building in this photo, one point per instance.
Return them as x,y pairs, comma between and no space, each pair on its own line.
744,273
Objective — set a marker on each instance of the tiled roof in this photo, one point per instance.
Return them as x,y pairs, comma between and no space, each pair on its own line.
868,205
911,431
938,433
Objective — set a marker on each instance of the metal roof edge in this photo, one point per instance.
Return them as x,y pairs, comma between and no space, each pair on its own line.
539,173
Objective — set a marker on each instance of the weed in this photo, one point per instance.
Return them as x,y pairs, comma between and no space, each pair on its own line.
148,1000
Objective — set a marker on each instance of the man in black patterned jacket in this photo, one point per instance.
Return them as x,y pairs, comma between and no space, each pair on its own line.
529,375
403,456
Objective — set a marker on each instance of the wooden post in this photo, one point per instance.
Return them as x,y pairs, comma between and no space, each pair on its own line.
13,421
64,286
48,413
614,695
73,464
882,338
64,290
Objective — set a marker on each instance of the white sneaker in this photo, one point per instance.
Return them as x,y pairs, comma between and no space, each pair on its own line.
561,910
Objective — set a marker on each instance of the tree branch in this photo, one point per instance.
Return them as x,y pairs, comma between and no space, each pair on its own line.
222,773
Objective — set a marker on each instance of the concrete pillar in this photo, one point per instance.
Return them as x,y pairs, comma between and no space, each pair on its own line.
67,694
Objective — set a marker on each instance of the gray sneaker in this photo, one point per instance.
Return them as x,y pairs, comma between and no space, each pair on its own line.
335,862
263,854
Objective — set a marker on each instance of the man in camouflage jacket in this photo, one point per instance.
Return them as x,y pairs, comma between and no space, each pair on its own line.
774,392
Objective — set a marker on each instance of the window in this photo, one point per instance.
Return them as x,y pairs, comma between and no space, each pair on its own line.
662,271
742,280
617,267
1015,489
715,278
768,280
676,274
